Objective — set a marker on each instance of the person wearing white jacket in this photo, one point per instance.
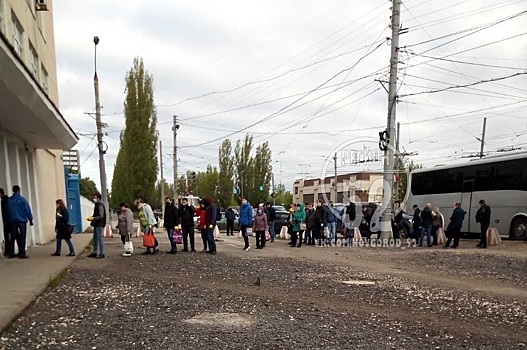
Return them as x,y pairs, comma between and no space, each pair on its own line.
147,221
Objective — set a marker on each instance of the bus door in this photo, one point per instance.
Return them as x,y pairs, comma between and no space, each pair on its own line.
466,203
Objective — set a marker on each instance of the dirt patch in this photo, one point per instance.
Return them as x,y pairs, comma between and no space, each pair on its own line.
222,320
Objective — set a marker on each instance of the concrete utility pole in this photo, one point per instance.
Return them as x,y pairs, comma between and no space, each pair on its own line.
162,182
397,160
386,228
335,200
274,189
100,143
483,137
176,182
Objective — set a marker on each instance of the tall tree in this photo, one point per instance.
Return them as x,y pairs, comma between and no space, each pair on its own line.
226,175
136,165
262,172
87,187
206,182
405,166
243,167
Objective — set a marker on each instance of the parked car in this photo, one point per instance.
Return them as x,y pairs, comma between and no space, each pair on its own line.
222,224
279,208
280,220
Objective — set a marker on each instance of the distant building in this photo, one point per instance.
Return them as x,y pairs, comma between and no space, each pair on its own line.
71,161
33,132
363,186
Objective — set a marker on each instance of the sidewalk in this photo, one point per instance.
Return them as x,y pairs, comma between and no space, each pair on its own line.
22,281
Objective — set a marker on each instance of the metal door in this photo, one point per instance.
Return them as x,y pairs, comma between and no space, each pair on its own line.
466,203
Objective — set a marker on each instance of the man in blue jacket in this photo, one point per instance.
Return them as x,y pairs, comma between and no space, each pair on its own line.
19,215
246,220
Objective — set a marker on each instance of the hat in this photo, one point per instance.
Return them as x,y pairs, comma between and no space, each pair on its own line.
482,201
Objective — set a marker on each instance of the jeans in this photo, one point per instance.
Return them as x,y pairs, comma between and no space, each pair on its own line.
18,234
98,242
271,231
210,240
188,232
230,227
7,240
173,246
308,238
428,230
68,242
297,237
332,226
245,237
204,238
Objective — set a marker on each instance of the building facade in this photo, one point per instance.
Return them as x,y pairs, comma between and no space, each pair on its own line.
354,187
33,133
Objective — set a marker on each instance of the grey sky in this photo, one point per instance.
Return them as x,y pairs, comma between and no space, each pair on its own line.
197,47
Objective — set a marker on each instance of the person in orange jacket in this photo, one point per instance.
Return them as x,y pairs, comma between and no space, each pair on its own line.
200,211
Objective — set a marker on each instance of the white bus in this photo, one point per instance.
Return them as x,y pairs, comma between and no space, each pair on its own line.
500,180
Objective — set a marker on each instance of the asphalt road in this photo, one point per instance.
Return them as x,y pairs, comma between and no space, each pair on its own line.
285,298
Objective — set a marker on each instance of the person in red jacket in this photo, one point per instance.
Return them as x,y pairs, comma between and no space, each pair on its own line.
201,211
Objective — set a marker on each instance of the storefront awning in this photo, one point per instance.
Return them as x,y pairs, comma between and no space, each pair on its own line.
25,110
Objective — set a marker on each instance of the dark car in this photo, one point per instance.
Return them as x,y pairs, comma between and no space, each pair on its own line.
222,224
280,220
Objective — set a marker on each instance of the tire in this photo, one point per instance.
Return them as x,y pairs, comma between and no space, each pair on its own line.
519,229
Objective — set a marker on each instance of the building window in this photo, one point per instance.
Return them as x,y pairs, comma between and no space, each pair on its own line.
33,61
45,79
17,36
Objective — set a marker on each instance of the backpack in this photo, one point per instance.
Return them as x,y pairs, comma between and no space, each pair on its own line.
218,214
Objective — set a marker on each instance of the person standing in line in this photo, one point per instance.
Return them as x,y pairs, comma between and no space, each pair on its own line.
19,215
427,218
456,223
416,223
170,223
98,222
125,223
299,219
63,228
309,237
260,225
230,216
246,221
320,222
202,227
483,218
147,221
437,223
5,221
271,218
186,216
211,213
331,222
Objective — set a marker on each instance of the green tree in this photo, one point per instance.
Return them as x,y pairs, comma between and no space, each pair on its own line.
224,193
262,172
136,167
206,182
243,167
87,187
157,201
283,197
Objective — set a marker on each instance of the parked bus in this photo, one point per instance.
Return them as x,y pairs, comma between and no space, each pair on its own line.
500,180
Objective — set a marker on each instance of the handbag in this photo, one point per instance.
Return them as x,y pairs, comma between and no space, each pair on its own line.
177,236
250,232
441,237
149,240
303,226
267,236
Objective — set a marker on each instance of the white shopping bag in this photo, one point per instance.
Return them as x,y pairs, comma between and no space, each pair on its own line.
283,232
240,234
139,232
216,232
128,247
357,237
250,232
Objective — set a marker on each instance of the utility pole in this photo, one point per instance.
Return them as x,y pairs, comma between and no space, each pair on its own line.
483,137
386,229
162,182
100,143
335,200
176,182
397,160
274,189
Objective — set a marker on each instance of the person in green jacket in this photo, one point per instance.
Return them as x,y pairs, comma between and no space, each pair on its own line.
299,218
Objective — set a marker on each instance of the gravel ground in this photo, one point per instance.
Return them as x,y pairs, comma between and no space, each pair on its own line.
263,300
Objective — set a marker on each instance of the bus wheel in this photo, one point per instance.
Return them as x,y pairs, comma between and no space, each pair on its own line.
519,229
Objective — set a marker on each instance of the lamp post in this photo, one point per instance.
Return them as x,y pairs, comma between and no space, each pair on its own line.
103,147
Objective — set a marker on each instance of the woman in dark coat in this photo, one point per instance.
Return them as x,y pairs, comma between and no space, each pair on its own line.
63,228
